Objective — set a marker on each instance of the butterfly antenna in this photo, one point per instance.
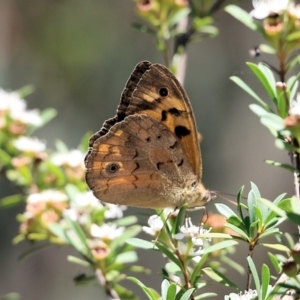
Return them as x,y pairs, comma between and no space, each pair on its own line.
221,195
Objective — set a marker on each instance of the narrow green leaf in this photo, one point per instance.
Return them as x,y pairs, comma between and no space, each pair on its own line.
180,219
293,36
267,49
5,158
232,264
275,262
258,110
182,13
265,280
164,289
248,90
272,206
126,221
251,201
205,296
282,104
278,247
142,244
47,115
61,146
268,232
220,245
273,122
10,201
295,218
127,257
187,294
11,296
239,231
218,277
243,17
254,273
171,294
263,75
150,294
281,165
168,253
225,210
198,269
239,201
78,261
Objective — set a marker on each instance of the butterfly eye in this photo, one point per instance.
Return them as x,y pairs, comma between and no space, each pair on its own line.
163,92
112,168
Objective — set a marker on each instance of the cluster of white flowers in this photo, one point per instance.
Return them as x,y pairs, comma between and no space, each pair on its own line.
264,8
73,158
106,231
247,295
84,203
15,107
46,196
29,144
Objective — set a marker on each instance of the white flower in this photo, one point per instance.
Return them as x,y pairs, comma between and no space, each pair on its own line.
11,102
71,214
295,106
74,158
169,212
191,231
248,295
106,231
114,211
264,8
155,225
47,196
29,144
27,117
87,200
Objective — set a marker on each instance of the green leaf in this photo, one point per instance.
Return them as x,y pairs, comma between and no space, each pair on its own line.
168,253
295,218
267,49
218,277
275,262
78,261
225,210
171,294
248,90
61,146
180,219
278,247
11,201
272,206
265,276
254,273
197,269
219,246
232,264
293,36
25,91
149,292
268,232
239,231
282,104
243,17
142,244
84,142
187,294
164,289
292,63
258,110
251,201
239,201
272,121
127,257
266,78
205,296
281,165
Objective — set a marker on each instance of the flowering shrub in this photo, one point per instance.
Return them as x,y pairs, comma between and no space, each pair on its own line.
60,210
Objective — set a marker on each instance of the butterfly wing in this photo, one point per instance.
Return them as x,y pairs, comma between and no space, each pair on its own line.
139,162
154,91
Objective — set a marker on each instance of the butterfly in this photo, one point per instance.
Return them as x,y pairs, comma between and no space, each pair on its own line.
148,155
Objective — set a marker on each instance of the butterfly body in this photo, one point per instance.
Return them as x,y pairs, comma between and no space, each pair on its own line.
148,154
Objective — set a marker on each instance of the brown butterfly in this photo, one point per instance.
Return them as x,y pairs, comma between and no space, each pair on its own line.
148,155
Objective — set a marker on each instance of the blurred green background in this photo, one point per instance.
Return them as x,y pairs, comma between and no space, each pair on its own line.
78,55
